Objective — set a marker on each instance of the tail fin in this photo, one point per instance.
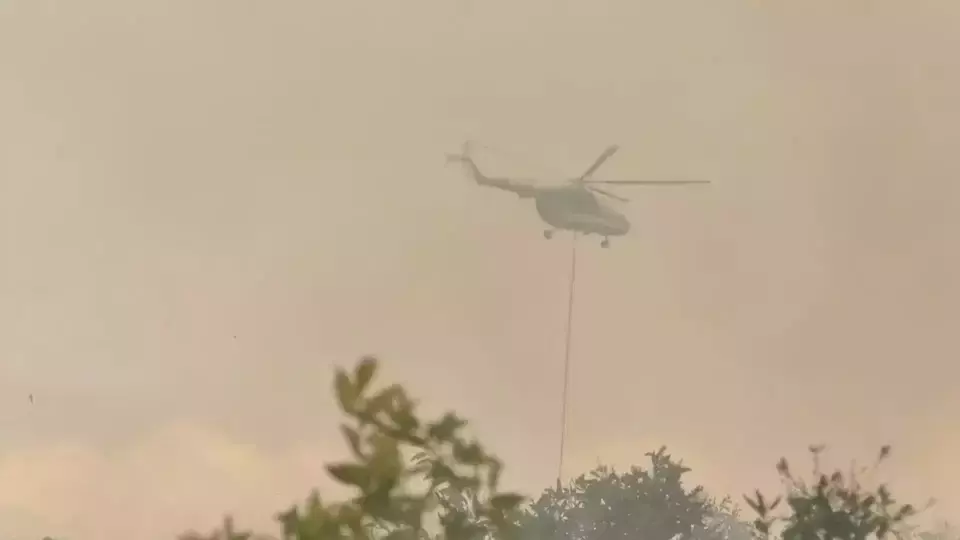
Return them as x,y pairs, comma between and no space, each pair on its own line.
466,160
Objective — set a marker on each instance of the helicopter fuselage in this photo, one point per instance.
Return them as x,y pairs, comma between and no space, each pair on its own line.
569,207
575,209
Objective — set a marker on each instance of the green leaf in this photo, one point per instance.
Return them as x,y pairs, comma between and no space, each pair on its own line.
386,457
506,501
468,454
364,373
783,468
353,439
906,511
755,505
441,473
447,427
314,502
383,400
346,393
348,473
404,418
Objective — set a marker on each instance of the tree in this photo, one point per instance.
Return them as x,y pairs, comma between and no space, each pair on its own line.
405,470
651,504
724,522
227,531
382,427
832,507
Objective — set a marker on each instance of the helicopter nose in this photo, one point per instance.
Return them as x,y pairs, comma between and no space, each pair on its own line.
623,224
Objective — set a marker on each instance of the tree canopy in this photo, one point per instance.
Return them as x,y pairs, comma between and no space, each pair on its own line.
641,503
423,479
834,505
459,480
382,430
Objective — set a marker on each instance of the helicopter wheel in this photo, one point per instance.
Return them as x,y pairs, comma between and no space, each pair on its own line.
605,243
548,234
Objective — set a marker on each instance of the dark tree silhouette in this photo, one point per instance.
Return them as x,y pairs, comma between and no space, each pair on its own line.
652,504
834,506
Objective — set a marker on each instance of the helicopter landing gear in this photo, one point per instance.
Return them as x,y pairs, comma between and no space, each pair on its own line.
548,234
605,243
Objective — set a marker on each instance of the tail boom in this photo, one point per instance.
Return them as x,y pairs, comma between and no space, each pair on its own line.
522,189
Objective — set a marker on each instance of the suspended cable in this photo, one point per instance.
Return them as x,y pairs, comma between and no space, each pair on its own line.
566,359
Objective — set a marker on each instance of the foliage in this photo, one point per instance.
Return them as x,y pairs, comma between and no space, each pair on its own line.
724,522
835,506
464,502
225,532
406,471
651,504
382,427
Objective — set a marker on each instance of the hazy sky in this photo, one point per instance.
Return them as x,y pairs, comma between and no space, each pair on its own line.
205,206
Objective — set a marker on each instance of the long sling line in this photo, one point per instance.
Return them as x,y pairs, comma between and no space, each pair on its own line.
566,359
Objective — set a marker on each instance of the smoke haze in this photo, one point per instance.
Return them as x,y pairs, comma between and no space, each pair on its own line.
204,206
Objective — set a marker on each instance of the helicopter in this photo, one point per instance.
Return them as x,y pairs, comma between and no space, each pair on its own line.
573,205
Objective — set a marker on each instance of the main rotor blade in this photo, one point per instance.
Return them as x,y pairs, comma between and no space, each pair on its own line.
648,182
611,150
608,194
